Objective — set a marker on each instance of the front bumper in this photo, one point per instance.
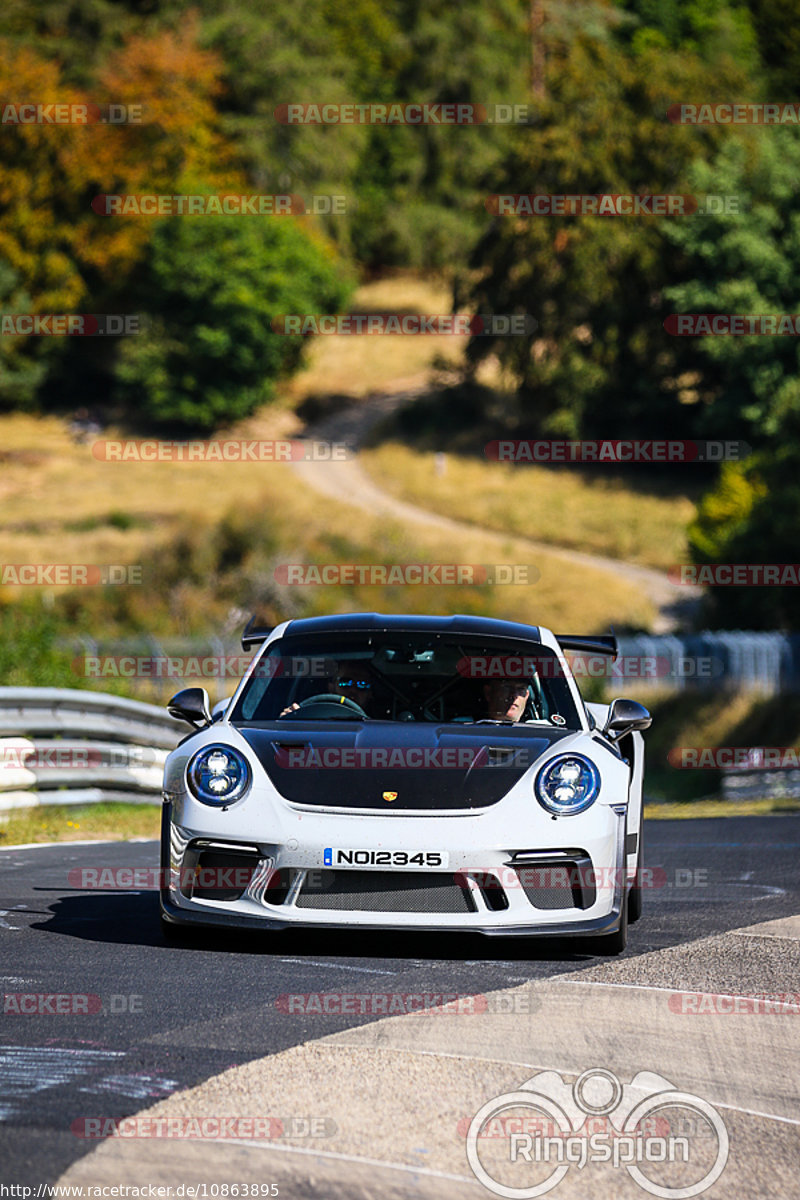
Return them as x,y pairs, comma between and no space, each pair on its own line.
601,834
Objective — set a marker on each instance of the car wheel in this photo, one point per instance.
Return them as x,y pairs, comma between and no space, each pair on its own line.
635,893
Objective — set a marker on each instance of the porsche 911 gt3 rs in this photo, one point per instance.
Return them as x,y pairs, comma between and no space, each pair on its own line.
406,772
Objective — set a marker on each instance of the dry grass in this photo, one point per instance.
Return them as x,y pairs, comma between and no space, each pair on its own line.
356,366
167,495
61,504
598,516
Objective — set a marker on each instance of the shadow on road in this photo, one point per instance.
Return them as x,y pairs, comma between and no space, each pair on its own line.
132,919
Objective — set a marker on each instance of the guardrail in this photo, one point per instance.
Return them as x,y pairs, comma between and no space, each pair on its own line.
73,746
740,660
765,663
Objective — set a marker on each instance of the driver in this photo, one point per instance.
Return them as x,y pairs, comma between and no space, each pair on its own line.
355,685
506,699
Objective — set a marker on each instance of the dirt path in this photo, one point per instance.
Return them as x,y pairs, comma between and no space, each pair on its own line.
347,481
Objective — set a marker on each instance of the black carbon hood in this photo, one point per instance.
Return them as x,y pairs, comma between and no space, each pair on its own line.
396,766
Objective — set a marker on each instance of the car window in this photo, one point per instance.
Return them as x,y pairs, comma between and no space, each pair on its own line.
444,678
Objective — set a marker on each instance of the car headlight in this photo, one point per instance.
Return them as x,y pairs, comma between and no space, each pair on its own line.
218,775
567,784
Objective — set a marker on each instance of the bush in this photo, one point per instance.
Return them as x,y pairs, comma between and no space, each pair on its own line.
210,287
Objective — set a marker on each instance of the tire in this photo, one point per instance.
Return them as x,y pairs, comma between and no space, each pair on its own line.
610,944
635,893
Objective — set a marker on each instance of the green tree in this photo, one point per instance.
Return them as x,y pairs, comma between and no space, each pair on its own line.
593,283
210,288
752,516
743,262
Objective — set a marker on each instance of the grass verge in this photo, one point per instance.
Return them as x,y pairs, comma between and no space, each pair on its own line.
79,823
120,822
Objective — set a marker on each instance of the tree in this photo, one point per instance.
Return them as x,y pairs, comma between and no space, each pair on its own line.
210,287
593,283
747,261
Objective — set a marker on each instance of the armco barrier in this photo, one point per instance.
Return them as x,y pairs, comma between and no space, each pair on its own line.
738,660
65,746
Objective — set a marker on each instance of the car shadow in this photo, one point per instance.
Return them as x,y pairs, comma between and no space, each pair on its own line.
132,919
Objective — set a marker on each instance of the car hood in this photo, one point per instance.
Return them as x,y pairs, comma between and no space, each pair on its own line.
391,767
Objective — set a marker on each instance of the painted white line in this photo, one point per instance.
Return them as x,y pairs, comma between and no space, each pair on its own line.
5,924
677,991
778,937
309,962
644,987
355,1158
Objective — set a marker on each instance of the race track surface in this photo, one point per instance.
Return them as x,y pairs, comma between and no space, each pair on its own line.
356,1090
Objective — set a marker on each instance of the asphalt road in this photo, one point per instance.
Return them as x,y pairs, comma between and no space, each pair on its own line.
161,1019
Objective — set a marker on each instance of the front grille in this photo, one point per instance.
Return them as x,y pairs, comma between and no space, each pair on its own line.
558,883
220,875
385,891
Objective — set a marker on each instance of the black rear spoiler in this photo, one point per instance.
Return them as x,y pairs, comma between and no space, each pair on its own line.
254,634
600,643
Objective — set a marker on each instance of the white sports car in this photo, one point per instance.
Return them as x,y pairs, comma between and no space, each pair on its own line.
406,772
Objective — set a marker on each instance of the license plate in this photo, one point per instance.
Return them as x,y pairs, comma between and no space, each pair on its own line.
399,859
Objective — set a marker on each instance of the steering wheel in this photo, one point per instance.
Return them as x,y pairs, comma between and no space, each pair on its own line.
339,706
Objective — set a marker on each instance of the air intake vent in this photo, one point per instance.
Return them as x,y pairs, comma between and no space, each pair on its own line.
385,891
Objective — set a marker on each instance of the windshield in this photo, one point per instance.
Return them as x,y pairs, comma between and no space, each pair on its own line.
446,678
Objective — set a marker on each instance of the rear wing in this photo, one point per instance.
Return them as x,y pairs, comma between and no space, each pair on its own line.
600,643
254,634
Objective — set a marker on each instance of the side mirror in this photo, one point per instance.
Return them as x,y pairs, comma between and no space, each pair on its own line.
625,716
191,705
219,709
